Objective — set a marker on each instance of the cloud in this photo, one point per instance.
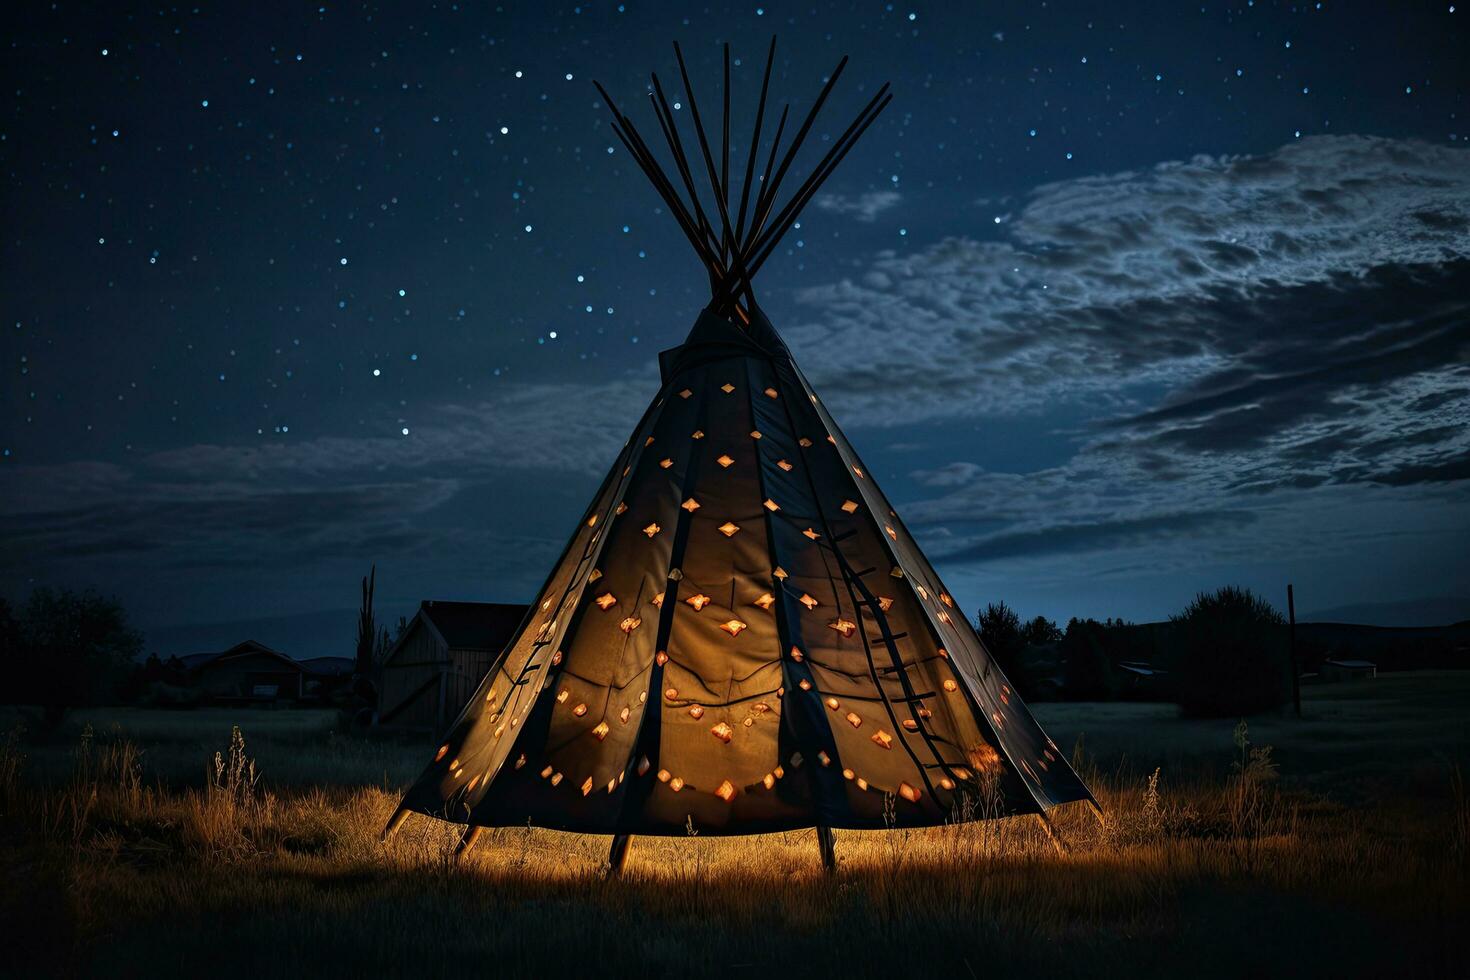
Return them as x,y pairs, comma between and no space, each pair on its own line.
524,427
864,207
1256,346
1072,538
1172,277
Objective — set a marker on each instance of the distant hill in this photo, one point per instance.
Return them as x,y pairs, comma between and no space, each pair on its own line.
330,633
1390,647
1410,612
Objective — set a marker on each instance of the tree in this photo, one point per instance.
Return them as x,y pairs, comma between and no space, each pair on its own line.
1233,655
1000,629
1039,632
71,649
363,671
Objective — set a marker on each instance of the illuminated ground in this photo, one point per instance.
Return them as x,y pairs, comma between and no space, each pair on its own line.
1353,862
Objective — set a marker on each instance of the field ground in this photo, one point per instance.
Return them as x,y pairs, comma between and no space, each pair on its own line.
122,859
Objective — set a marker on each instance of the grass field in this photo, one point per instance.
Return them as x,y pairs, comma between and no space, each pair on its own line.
124,855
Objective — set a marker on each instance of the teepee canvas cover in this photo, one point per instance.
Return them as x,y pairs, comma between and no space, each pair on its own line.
741,633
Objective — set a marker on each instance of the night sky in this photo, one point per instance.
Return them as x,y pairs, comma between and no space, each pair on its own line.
1119,302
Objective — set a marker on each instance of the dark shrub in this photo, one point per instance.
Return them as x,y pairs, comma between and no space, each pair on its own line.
1087,667
1231,655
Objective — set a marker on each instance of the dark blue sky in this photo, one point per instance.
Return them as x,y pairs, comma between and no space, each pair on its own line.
1119,303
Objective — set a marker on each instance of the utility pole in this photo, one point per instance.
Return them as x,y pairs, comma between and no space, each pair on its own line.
1296,673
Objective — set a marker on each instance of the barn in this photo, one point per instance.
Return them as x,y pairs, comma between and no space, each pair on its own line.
441,657
246,672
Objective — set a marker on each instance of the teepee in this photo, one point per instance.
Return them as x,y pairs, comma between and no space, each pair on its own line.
741,635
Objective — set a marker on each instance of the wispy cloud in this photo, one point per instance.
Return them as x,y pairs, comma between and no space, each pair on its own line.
863,207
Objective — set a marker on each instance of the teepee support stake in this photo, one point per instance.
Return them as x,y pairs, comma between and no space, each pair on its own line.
467,840
394,822
617,857
826,843
1051,833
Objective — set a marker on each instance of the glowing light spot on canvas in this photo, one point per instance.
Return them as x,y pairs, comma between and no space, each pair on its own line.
606,601
699,600
733,626
600,732
728,529
725,461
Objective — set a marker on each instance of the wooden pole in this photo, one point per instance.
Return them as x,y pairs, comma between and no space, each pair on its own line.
617,858
827,844
467,840
1051,833
1296,672
394,822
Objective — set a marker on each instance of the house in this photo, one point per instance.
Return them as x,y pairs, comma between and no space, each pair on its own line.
1347,670
435,666
246,672
327,676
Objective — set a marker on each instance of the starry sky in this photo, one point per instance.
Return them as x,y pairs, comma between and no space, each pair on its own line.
1118,301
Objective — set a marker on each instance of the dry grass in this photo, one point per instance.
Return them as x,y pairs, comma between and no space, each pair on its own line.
114,871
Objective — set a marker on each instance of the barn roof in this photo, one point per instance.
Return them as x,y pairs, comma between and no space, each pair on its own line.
317,665
474,625
329,666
